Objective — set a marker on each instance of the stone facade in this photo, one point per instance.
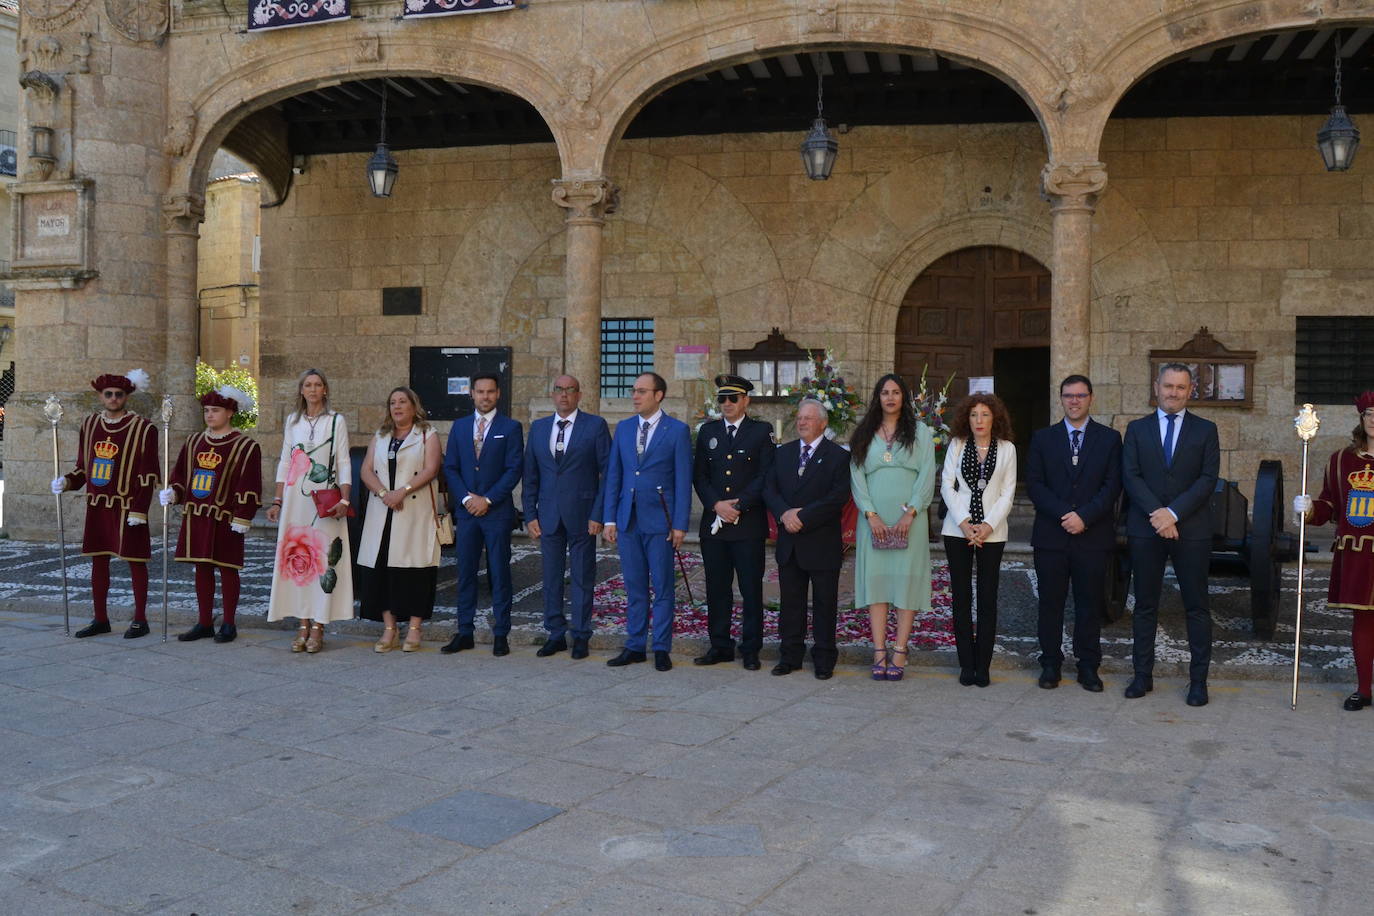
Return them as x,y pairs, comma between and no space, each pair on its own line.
1151,228
227,274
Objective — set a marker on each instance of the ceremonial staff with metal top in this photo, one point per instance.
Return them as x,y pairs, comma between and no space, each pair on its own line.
663,501
52,409
166,477
1306,424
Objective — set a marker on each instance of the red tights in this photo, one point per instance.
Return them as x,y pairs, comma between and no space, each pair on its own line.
1362,640
100,588
205,592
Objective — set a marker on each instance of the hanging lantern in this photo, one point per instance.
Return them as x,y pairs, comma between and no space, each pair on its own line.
820,147
382,167
1339,138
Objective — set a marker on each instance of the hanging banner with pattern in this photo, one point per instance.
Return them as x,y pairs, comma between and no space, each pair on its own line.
284,14
414,9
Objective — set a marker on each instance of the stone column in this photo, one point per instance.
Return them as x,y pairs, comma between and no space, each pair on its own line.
588,201
1072,189
182,215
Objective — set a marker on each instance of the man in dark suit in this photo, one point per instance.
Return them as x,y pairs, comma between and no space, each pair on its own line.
650,467
1073,476
565,465
733,455
806,490
482,465
1169,466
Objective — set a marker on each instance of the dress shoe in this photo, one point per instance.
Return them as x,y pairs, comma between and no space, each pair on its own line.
1140,685
1049,677
713,657
626,657
551,646
662,662
981,678
458,643
500,646
966,677
199,631
823,674
1197,694
751,661
782,668
136,629
1089,679
1355,702
227,633
580,649
95,629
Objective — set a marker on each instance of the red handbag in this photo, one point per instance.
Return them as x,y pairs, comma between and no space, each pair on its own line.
326,499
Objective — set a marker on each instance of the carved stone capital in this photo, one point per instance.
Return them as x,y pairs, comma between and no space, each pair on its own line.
1073,185
588,200
183,214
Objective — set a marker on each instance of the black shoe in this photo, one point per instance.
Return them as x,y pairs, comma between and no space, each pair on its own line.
1089,679
981,678
782,668
824,674
500,646
199,631
966,676
552,646
751,661
1049,677
1140,685
1355,702
95,629
580,649
714,657
458,643
626,657
136,629
227,633
1197,694
662,662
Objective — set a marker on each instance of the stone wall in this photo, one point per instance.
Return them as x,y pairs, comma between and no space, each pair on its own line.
226,282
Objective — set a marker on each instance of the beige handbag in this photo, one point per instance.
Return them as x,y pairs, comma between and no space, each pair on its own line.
443,522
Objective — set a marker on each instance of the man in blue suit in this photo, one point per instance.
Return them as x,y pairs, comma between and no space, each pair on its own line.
650,467
1169,466
482,466
1074,481
565,466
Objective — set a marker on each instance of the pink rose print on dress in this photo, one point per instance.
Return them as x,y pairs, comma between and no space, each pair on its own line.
299,464
301,554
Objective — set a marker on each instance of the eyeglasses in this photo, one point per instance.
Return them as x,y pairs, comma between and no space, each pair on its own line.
113,393
559,389
722,398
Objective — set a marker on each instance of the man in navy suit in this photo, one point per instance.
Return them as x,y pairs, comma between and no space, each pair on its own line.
565,465
1169,466
806,490
650,467
1074,480
482,466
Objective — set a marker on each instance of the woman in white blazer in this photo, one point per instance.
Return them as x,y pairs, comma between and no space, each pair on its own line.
977,485
398,553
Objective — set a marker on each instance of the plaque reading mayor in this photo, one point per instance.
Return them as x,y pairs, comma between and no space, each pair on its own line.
49,231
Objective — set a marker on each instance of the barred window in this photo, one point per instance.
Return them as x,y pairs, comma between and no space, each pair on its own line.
627,352
1332,358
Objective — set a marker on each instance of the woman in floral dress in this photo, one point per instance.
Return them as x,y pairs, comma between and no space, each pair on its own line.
311,579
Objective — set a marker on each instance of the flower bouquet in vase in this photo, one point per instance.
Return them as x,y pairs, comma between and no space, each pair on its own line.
825,384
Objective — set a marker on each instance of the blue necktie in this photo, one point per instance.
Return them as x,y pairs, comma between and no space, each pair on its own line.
1169,440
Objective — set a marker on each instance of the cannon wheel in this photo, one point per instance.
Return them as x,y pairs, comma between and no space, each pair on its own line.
1265,548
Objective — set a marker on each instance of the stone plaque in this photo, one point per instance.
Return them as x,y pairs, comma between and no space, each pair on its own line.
52,237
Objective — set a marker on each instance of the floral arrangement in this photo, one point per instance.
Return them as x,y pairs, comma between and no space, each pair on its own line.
840,400
929,405
209,379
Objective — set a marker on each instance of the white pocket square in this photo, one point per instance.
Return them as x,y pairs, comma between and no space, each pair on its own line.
501,436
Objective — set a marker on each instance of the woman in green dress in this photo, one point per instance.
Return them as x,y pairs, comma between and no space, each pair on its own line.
893,478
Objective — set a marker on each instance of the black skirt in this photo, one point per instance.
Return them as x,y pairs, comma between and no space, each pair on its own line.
405,591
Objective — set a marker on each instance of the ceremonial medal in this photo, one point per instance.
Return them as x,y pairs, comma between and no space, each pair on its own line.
712,444
887,456
982,484
1075,461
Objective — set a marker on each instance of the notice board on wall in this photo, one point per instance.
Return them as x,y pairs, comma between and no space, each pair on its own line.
442,377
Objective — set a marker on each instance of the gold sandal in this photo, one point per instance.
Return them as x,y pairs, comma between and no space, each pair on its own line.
298,644
385,644
409,646
316,641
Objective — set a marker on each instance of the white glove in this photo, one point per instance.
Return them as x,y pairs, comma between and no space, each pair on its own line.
59,485
135,522
716,525
167,497
1302,504
237,528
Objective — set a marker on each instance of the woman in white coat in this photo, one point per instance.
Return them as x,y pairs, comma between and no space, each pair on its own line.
398,553
977,485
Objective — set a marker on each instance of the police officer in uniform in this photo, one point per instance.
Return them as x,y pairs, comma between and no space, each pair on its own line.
732,456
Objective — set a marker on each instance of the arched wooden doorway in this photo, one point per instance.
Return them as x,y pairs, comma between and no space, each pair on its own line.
981,312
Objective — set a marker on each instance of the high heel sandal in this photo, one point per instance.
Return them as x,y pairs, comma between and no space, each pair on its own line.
409,646
894,671
384,644
880,663
298,644
316,641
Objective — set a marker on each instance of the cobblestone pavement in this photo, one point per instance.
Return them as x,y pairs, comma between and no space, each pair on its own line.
212,779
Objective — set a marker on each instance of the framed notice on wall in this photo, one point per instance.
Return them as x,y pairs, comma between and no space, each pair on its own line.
1222,377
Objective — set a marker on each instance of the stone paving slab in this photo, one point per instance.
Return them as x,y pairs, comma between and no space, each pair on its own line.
701,791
